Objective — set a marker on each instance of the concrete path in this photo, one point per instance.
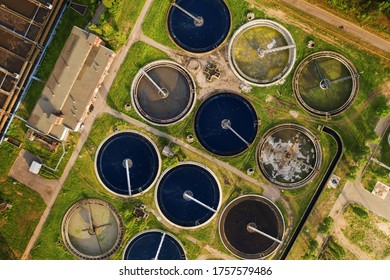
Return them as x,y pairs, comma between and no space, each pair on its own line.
354,192
380,163
334,20
20,173
99,104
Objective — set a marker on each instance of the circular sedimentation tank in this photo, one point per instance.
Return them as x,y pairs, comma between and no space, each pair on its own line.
154,245
188,195
92,229
325,83
289,155
262,52
226,124
163,92
199,26
127,163
251,227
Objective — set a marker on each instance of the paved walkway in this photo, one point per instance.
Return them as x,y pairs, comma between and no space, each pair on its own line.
99,103
334,20
354,192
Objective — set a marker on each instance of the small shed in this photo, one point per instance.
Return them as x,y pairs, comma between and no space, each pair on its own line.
35,167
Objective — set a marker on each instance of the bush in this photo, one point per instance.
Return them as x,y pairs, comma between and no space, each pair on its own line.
326,225
360,212
313,244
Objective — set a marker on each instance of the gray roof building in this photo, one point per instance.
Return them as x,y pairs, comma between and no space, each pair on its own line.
72,86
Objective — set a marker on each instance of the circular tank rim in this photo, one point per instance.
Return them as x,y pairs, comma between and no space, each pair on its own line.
199,54
272,24
317,146
199,165
69,246
346,62
153,230
152,65
158,157
246,196
220,92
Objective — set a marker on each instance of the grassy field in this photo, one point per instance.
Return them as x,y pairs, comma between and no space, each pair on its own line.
82,182
138,55
368,231
18,223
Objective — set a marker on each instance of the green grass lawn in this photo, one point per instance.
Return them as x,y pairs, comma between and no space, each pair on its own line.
82,183
155,24
138,55
18,223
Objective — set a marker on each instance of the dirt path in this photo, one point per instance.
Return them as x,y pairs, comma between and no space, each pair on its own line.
338,226
100,103
348,27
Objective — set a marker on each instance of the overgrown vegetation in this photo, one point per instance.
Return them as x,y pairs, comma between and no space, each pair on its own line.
326,225
372,12
332,251
116,22
367,231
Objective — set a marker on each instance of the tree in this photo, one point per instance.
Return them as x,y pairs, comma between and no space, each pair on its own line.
326,225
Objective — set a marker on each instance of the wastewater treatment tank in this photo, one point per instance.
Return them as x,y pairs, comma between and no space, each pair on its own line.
92,229
127,163
251,227
325,83
262,52
154,245
289,155
188,195
163,92
226,124
199,26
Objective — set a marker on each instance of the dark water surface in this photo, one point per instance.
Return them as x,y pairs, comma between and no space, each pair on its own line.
208,127
199,39
145,247
188,177
127,145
